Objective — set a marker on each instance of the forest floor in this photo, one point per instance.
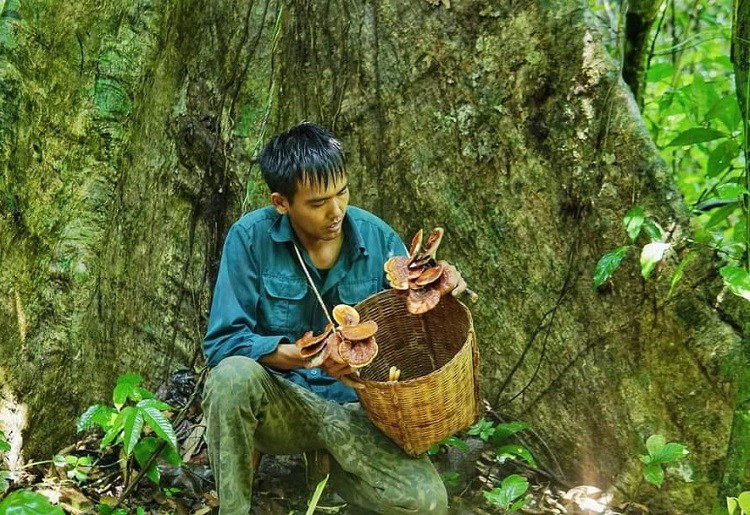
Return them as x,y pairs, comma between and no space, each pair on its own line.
283,485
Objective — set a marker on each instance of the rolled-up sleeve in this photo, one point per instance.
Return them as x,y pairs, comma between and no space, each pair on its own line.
233,317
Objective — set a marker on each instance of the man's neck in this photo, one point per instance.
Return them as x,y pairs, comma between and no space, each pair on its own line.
323,253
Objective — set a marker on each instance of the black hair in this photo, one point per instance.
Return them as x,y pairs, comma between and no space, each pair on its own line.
305,153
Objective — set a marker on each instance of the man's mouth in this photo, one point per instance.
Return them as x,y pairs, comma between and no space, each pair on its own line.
335,226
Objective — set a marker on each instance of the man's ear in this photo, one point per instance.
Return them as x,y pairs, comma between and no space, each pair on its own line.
279,203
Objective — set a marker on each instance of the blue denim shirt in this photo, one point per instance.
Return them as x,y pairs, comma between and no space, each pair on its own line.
262,297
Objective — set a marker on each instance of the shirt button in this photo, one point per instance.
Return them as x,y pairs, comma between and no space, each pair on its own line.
314,372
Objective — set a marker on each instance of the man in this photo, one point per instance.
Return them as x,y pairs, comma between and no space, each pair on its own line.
260,394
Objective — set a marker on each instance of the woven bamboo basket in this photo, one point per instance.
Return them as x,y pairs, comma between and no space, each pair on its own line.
437,394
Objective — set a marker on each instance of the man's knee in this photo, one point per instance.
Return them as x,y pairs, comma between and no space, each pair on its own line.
235,379
432,499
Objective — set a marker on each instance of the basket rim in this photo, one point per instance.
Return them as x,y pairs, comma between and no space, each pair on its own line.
425,377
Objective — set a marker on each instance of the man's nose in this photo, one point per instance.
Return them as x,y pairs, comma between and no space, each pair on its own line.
337,211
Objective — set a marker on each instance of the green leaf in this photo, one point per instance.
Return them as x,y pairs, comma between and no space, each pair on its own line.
516,450
732,505
653,230
114,431
659,71
4,446
504,431
434,449
654,474
121,393
669,453
633,221
737,280
520,504
143,452
484,429
132,428
98,414
679,271
28,502
696,135
608,264
454,441
131,379
138,394
721,215
316,496
451,478
652,253
727,110
730,190
655,443
744,501
160,425
154,403
4,480
721,157
509,490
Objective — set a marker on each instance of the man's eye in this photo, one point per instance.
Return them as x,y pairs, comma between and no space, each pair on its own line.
317,204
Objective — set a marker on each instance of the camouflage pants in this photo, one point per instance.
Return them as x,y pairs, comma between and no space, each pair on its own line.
248,407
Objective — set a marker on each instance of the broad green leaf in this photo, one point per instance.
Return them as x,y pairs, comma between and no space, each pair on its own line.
633,221
654,444
454,441
316,496
652,253
114,431
721,157
520,504
679,271
434,449
484,429
4,446
143,452
730,190
654,474
131,379
669,453
511,488
744,501
737,280
132,428
28,502
98,414
121,393
659,71
721,215
451,478
154,403
516,450
160,425
727,110
138,394
4,480
696,135
607,264
504,431
653,230
732,505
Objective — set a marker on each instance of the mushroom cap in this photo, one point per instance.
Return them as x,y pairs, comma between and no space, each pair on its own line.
307,339
345,315
312,350
321,356
416,244
422,300
430,275
359,354
397,272
360,332
332,342
449,279
433,242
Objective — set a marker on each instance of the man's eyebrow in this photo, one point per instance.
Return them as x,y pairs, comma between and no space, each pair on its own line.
339,192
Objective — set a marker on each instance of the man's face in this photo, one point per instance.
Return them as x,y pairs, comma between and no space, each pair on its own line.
316,213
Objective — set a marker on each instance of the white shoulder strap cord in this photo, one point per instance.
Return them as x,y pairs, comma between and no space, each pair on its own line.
312,285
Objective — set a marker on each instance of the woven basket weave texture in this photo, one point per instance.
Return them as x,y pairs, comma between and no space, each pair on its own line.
437,394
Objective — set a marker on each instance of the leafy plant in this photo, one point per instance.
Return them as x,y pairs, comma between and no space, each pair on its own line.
5,475
509,494
660,453
739,505
77,468
135,408
28,502
451,441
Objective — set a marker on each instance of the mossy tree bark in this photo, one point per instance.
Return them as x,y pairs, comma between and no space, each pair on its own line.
126,138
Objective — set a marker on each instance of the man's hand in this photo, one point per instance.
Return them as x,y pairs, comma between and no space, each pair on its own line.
285,357
336,370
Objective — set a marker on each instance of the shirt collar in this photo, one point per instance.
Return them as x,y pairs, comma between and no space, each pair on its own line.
281,232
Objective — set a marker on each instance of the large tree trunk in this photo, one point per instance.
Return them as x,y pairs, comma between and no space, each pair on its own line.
126,137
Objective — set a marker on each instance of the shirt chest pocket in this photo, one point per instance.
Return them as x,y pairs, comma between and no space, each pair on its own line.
284,303
353,292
